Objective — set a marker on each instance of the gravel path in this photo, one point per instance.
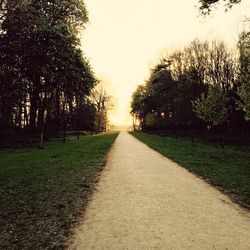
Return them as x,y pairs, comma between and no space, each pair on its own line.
145,201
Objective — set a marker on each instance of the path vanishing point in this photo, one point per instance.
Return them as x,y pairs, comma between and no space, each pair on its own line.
145,201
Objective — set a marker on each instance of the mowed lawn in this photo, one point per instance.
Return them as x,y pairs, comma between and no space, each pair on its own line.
228,169
43,192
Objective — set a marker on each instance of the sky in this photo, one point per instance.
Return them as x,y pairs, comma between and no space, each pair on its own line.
125,38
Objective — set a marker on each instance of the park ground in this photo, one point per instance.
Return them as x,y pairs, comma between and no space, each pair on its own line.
145,201
44,192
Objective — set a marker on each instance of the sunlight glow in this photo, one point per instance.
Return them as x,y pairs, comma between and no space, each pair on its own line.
124,39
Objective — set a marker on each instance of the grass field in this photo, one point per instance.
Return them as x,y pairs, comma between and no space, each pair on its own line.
43,192
228,169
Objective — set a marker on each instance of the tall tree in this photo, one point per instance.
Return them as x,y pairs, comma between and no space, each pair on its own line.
139,105
244,76
165,101
41,60
103,104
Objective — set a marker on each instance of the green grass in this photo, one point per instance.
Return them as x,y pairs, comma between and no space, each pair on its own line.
43,192
228,169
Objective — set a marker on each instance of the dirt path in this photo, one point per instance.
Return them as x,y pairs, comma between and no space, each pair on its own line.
145,201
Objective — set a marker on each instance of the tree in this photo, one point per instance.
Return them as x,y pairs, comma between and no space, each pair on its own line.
162,88
180,78
244,76
206,5
212,108
43,75
103,104
139,107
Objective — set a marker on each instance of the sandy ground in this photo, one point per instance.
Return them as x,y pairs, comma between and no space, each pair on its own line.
145,201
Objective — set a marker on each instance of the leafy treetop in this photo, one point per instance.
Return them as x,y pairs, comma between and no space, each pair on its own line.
206,5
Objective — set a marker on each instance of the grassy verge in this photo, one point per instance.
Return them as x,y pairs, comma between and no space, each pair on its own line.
228,169
43,192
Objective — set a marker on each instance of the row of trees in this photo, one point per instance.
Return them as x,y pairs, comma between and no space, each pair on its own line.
203,85
46,84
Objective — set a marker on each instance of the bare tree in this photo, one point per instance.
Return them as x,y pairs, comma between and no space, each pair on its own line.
103,104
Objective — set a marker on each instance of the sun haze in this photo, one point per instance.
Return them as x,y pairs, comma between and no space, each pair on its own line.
125,38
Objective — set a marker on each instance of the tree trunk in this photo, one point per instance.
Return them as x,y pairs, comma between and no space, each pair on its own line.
64,123
25,113
34,98
33,110
72,116
58,112
77,119
41,145
42,125
40,117
19,115
134,122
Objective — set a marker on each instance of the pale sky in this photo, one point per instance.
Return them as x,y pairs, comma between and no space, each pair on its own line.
124,39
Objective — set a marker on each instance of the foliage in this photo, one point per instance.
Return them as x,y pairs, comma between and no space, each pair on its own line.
103,104
150,120
205,5
179,79
45,80
213,107
139,99
244,76
43,193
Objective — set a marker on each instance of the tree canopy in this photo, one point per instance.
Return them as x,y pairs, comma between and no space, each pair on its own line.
194,86
206,5
213,107
45,79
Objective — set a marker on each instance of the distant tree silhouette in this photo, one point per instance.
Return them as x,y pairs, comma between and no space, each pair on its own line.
183,76
206,5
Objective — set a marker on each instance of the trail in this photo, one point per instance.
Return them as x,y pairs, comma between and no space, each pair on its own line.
145,201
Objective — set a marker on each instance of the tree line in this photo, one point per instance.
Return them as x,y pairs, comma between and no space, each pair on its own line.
204,86
46,83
